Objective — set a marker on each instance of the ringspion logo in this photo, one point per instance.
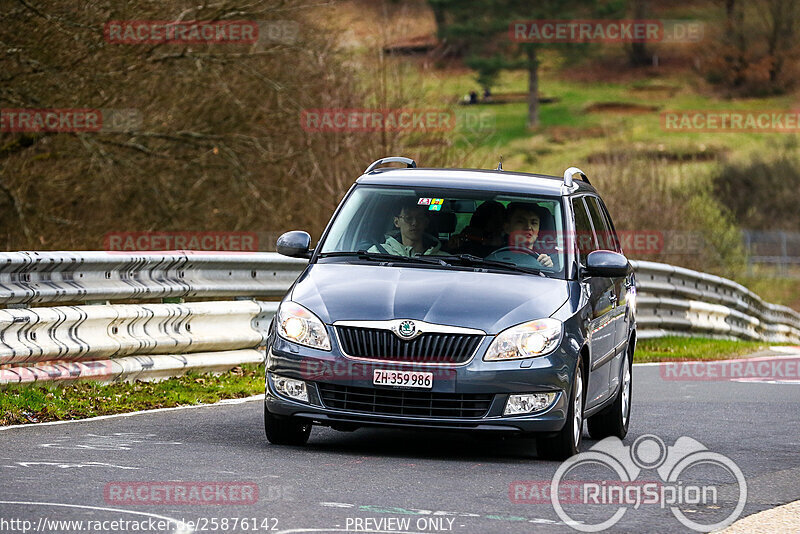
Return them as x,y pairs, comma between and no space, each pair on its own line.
605,484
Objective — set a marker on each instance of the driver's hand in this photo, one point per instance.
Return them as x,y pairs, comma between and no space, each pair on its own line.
545,260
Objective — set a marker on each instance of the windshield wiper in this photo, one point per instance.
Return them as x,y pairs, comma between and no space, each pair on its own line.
469,259
379,256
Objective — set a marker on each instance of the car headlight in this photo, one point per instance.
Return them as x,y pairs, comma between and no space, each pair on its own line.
297,324
527,340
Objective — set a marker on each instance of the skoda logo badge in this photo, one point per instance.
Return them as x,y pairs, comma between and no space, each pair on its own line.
407,329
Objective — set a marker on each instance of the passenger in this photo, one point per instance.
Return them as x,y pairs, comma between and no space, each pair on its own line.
410,239
484,233
522,225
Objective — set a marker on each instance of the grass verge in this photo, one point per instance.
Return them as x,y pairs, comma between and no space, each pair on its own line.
35,403
676,348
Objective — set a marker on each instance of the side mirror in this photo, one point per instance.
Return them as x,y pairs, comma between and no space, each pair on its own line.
607,264
295,244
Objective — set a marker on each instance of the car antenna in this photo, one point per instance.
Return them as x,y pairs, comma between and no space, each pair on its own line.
500,165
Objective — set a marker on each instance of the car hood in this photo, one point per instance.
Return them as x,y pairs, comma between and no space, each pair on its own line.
488,301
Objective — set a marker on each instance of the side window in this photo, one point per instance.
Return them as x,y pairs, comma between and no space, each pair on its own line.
584,236
605,238
617,243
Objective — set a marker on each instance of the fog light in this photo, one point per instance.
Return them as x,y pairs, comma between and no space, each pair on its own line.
294,389
528,403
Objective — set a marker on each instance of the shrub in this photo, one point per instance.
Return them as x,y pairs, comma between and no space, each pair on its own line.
674,201
762,193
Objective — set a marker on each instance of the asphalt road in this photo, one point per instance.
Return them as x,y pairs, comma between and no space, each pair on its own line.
378,480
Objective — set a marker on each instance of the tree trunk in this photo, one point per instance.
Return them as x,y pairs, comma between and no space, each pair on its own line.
734,32
638,54
533,88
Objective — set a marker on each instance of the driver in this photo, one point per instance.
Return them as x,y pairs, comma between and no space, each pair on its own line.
410,239
522,228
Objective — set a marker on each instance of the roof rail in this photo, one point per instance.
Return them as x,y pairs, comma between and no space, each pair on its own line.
410,163
569,173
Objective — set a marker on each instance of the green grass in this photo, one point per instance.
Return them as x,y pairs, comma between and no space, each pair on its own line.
774,289
541,151
33,403
675,348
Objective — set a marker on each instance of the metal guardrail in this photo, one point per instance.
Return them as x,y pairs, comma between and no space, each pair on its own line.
42,338
50,277
674,300
161,335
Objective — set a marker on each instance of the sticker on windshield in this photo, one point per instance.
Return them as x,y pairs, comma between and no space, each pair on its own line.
424,202
437,201
435,207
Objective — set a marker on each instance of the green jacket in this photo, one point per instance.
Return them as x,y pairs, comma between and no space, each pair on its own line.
393,245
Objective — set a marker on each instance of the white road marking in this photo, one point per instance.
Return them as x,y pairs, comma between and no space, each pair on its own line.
760,381
63,465
118,441
785,349
224,402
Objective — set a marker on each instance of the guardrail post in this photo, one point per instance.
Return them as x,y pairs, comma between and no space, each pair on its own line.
784,268
749,249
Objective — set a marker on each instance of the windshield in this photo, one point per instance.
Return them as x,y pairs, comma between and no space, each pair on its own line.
477,228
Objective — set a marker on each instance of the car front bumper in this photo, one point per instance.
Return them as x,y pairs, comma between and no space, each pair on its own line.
551,373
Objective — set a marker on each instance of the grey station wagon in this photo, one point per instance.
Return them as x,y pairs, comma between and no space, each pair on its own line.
471,300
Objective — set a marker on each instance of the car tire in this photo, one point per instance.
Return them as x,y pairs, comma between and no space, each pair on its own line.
285,430
568,440
614,420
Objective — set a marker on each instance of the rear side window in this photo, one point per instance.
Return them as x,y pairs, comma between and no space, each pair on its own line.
584,236
606,237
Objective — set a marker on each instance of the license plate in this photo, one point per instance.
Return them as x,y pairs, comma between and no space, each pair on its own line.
405,379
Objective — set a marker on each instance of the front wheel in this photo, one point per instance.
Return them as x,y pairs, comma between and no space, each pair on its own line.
285,430
568,440
614,420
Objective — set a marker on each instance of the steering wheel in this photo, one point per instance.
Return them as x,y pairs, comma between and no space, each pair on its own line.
517,249
529,252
